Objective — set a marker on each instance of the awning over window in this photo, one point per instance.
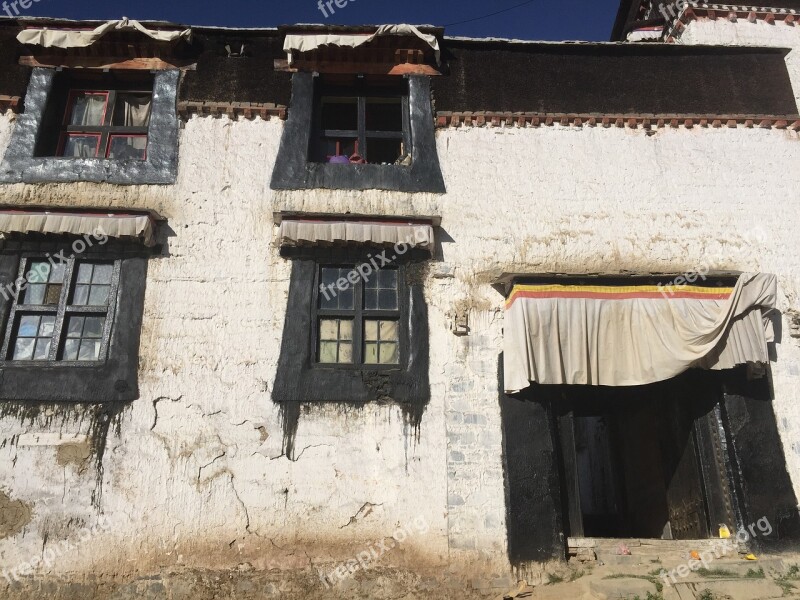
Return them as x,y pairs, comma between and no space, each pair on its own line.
309,42
633,335
114,225
72,38
309,232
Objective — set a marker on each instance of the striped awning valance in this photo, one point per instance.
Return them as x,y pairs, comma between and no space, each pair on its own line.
114,225
319,232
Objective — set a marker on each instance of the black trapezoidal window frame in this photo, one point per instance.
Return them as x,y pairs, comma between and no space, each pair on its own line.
294,171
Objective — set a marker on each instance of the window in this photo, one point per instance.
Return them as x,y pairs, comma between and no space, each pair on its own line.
106,124
65,311
362,123
358,324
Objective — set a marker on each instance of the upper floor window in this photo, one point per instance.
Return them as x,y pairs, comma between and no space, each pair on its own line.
64,312
362,123
106,124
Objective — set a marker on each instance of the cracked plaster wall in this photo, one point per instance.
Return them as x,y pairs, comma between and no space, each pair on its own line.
196,477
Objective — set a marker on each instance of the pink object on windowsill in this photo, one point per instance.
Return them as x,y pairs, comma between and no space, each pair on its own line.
339,159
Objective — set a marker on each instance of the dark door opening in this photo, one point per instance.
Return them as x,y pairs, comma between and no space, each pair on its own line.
631,460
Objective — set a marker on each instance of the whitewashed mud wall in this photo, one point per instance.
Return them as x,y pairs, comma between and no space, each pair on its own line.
194,475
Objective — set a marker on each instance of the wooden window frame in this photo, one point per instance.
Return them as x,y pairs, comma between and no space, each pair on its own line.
361,92
358,314
62,311
106,130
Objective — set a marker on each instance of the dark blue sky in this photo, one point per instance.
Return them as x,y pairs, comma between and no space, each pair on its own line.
539,20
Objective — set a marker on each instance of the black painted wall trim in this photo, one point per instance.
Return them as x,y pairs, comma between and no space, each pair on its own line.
114,381
161,167
293,171
299,381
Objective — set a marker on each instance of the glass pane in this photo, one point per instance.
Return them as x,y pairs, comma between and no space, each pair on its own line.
371,282
42,351
89,350
71,349
93,327
389,331
127,147
371,299
98,296
85,273
88,109
53,294
387,299
132,110
327,352
371,354
328,329
81,295
35,294
389,354
345,330
57,273
23,349
329,276
78,145
28,326
102,274
384,114
346,299
75,327
382,151
46,326
388,278
39,272
340,113
346,352
371,331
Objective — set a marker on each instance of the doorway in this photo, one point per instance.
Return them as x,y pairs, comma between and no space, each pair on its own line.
632,460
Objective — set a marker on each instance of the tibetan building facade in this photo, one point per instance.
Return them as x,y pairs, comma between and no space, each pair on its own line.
290,311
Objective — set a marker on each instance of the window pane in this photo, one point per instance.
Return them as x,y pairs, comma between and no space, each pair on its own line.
39,272
46,326
371,331
346,353
384,114
330,296
340,113
88,108
53,294
387,299
371,299
57,273
132,110
389,354
346,298
371,354
28,326
127,147
345,330
382,151
85,273
79,145
388,331
98,296
81,295
388,278
328,352
93,328
42,351
23,348
75,327
35,294
71,349
102,274
89,350
329,329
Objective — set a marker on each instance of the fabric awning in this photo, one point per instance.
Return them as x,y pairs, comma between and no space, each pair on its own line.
305,232
114,225
72,38
634,335
310,41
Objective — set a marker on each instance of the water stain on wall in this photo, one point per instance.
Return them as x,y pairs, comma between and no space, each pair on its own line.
14,515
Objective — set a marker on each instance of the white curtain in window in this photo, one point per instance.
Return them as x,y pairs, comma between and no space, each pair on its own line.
81,147
134,109
88,110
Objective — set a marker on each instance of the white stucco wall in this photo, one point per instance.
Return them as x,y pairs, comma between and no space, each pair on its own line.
196,476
